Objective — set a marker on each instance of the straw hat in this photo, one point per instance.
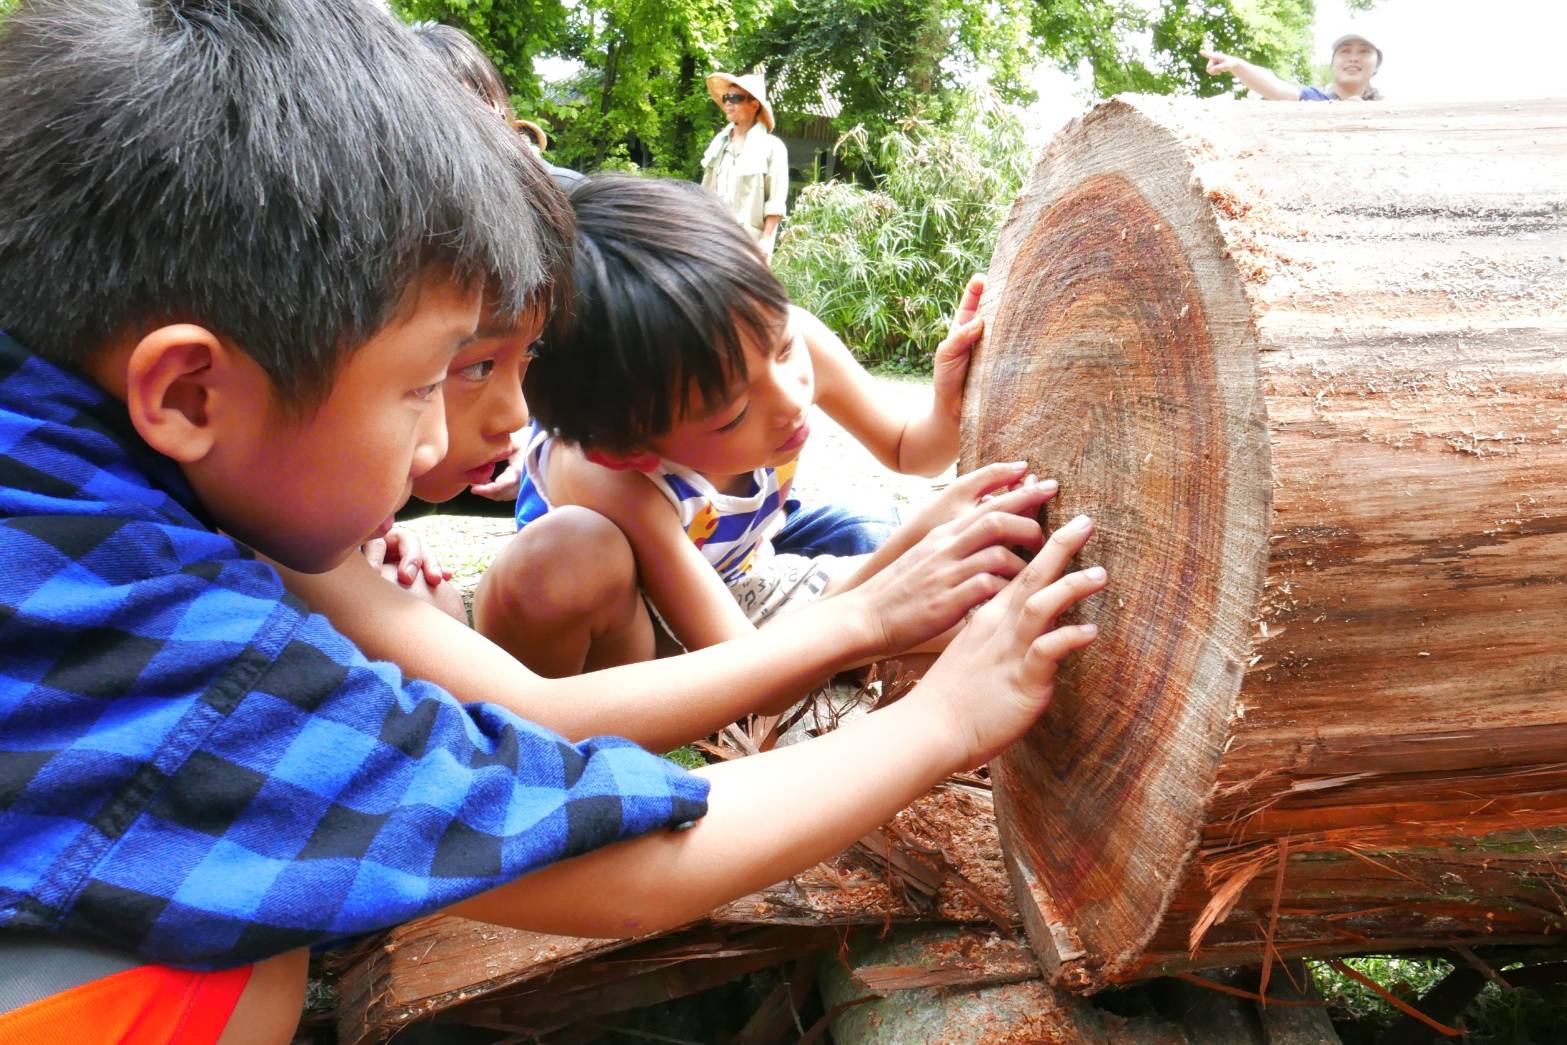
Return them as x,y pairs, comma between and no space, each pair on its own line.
533,131
750,83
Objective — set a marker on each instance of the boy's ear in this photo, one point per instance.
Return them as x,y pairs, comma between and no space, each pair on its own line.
641,461
178,380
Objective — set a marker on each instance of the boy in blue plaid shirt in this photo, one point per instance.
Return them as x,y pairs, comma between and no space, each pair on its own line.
240,245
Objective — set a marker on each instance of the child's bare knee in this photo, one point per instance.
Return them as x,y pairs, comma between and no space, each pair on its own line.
593,553
567,563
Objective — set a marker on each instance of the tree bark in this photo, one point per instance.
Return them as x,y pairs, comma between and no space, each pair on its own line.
1306,366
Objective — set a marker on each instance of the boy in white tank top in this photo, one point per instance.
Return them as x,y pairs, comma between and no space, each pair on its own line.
674,399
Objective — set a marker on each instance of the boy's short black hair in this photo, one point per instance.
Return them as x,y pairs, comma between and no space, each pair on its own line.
666,283
279,171
465,60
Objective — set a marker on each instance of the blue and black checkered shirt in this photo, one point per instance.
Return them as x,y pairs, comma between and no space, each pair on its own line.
196,768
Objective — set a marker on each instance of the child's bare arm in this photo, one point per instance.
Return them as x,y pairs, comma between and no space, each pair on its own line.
924,444
659,704
777,813
664,703
702,613
679,581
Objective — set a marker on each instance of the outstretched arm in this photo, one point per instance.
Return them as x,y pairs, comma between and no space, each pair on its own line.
1258,80
773,814
924,444
674,574
664,703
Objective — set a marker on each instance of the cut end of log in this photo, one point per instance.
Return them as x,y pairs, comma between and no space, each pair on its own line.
1322,426
1111,288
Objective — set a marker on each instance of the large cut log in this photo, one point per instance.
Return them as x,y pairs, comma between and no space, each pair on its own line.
936,862
1306,365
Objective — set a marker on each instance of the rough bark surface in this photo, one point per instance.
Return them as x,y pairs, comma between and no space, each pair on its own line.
1306,365
963,987
937,862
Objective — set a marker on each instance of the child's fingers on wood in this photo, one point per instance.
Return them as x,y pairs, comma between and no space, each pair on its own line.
995,479
1025,499
1045,605
1048,485
1047,651
1003,529
961,336
977,590
968,304
1057,552
973,290
996,560
987,478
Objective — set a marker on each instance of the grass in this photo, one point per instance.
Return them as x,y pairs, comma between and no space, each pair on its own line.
687,757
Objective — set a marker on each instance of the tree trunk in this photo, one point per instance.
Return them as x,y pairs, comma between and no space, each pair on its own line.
1306,366
685,155
607,91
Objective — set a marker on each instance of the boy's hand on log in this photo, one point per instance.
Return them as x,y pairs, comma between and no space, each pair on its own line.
967,492
950,365
998,675
959,563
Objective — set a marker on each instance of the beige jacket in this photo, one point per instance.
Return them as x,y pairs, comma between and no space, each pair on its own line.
753,182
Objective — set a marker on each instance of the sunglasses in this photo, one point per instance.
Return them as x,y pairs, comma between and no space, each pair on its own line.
734,99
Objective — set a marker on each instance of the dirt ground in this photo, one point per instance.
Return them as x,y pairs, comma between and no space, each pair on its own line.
834,468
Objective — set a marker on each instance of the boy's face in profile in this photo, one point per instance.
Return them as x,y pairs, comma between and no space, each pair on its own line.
762,422
308,492
484,406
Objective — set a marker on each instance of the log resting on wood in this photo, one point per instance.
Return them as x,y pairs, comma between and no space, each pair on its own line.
937,862
1306,365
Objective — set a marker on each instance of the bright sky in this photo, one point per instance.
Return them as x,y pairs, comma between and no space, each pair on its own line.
1455,49
1434,50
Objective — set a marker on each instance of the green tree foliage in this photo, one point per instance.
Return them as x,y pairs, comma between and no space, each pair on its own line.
641,93
885,60
512,32
883,266
1106,35
639,98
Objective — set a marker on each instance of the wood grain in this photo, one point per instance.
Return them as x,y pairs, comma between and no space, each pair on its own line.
1307,368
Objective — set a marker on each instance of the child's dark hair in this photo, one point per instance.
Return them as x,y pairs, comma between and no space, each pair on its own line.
279,171
462,59
465,60
666,285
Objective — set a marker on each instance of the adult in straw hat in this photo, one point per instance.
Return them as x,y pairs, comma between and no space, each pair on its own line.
745,166
1355,61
